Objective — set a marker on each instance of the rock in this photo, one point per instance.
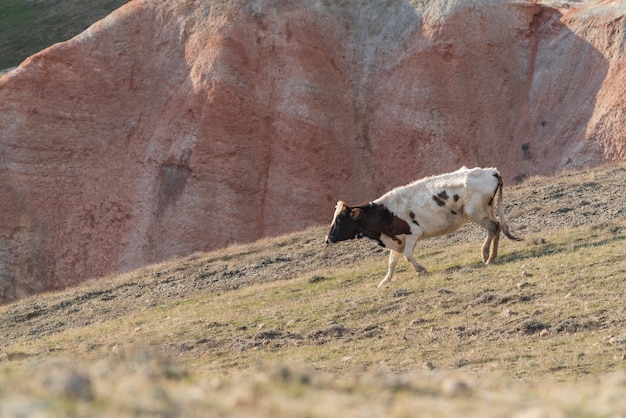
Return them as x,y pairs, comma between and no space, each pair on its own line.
455,387
175,127
508,313
69,383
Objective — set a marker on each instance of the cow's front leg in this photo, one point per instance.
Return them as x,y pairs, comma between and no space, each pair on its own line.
409,248
394,256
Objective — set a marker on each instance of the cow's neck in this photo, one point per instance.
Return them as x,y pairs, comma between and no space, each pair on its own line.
378,221
373,224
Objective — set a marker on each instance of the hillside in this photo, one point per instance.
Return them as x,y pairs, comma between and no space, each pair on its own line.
28,26
174,127
290,327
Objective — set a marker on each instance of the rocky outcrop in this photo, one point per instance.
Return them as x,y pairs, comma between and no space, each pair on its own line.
181,126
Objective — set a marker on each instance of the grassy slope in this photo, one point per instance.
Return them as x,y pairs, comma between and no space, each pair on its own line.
287,327
29,26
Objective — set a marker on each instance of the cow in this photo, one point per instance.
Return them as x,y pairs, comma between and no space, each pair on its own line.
429,207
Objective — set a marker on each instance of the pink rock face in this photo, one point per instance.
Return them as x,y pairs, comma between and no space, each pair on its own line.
182,126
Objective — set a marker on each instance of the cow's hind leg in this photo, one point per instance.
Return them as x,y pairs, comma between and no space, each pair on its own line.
417,266
490,246
394,256
493,249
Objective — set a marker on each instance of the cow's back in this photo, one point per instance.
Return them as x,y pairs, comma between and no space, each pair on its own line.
441,204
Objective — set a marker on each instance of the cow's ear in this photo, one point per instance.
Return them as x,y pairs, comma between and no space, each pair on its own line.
355,214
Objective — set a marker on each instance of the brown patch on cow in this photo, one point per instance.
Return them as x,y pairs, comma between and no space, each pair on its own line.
377,220
442,194
412,215
396,239
453,212
456,197
398,227
438,200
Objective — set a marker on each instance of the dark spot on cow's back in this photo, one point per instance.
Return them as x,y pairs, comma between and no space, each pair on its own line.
443,195
438,200
456,197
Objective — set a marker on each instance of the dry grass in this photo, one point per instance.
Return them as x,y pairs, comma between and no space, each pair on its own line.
286,327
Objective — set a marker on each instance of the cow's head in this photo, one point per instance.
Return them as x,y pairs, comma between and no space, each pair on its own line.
345,223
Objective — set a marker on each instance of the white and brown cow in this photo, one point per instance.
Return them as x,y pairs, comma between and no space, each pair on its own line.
426,208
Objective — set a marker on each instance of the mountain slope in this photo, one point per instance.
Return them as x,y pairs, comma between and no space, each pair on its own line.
290,327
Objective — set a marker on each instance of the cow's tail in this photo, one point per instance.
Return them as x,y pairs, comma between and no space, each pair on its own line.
503,224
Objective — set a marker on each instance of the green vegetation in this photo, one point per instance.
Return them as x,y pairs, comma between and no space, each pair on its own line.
29,26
